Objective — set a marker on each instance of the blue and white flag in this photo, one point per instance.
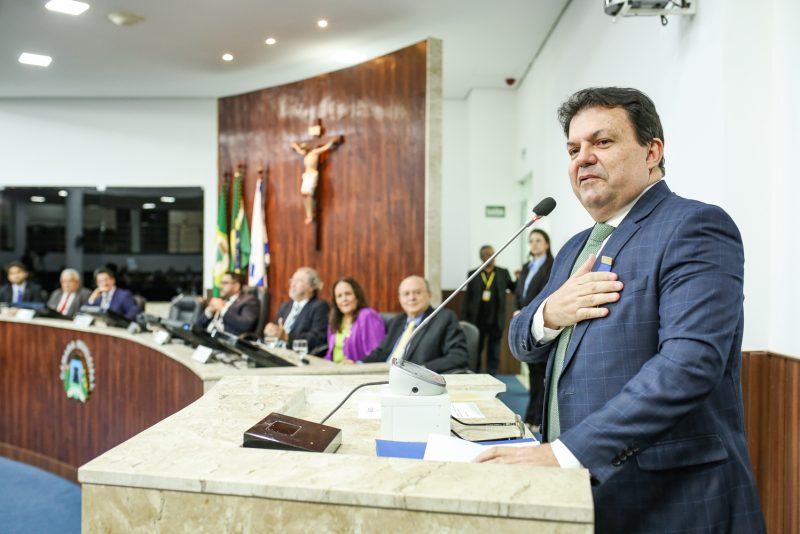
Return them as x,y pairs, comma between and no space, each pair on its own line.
259,244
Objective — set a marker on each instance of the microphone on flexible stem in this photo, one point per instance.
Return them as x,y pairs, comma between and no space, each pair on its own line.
541,209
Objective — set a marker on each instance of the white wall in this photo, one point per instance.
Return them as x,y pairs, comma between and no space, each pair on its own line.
478,171
710,79
114,142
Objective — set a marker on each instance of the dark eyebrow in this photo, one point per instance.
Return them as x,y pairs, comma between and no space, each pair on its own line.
595,135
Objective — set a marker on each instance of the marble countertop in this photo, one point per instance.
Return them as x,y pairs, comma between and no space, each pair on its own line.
199,450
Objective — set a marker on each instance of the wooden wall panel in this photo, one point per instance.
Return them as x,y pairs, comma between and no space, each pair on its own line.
372,187
136,387
771,392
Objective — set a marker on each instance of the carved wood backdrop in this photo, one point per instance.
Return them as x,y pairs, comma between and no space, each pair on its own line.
371,193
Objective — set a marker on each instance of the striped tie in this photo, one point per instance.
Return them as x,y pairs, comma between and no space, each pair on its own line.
599,234
401,345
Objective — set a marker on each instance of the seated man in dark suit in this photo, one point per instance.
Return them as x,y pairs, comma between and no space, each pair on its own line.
19,288
110,297
304,316
441,346
233,312
69,298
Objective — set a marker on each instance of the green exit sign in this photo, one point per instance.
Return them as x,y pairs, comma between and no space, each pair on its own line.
496,211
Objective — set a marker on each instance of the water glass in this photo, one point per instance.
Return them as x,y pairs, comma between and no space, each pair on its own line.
300,346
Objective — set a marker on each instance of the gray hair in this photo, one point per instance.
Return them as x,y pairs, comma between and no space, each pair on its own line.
71,272
313,278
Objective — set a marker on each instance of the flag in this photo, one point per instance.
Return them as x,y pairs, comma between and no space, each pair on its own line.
222,261
259,245
240,234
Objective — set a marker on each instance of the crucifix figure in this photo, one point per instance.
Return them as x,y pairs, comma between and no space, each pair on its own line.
311,157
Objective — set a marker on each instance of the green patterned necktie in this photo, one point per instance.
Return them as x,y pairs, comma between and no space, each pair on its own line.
599,234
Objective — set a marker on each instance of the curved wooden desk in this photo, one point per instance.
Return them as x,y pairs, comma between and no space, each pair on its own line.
137,383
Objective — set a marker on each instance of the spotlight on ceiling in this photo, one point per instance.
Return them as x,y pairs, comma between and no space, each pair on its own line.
168,200
37,198
271,41
227,57
322,23
149,206
63,193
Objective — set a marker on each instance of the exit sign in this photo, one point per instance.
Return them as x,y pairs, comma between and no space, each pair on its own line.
496,211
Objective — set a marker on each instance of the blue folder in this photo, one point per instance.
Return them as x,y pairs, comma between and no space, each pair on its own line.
416,450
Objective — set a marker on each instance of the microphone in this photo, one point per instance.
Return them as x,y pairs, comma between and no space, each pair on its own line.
542,209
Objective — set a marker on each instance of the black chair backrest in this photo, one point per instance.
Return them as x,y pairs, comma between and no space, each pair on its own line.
388,316
140,301
184,308
263,309
473,336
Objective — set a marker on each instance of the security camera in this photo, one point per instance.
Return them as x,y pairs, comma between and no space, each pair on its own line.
634,8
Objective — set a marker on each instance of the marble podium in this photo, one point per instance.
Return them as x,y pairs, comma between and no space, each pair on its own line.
190,473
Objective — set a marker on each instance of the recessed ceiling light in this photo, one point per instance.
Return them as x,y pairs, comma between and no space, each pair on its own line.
35,59
322,23
37,198
271,41
63,193
168,200
148,206
100,188
70,7
227,57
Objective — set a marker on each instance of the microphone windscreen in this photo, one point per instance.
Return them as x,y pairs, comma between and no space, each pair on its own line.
544,207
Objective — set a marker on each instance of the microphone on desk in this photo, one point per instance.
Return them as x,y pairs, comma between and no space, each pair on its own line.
541,209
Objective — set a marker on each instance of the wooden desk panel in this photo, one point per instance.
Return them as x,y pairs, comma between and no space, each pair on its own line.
135,387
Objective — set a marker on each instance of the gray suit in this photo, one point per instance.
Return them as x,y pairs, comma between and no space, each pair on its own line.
80,299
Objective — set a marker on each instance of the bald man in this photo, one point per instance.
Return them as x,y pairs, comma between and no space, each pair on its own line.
441,346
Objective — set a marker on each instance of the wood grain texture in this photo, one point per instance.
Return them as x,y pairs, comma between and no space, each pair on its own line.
371,209
771,393
135,387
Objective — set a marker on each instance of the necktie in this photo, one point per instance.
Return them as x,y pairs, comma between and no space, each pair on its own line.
599,234
63,305
105,302
401,345
292,317
17,295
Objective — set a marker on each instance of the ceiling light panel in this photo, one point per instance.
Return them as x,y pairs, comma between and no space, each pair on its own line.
39,60
69,7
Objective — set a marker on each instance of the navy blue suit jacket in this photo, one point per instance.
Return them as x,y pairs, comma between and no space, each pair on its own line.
122,303
241,317
650,397
311,324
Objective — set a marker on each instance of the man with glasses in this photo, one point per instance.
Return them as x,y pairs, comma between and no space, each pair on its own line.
233,312
304,316
441,346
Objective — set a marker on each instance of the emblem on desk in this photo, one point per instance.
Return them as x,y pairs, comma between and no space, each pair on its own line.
77,371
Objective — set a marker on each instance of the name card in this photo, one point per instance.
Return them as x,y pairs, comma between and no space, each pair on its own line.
162,337
25,314
83,319
202,354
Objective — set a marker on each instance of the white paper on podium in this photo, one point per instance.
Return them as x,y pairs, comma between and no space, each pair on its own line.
450,449
466,410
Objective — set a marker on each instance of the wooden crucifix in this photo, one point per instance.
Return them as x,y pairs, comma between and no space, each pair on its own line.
311,162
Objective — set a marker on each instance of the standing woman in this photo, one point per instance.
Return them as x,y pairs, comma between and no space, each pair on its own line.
354,329
533,278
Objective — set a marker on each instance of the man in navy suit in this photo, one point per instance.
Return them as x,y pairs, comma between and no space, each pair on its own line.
19,288
110,297
641,325
233,312
304,316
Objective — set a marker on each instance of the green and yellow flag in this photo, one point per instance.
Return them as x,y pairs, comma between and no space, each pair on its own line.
222,262
240,231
